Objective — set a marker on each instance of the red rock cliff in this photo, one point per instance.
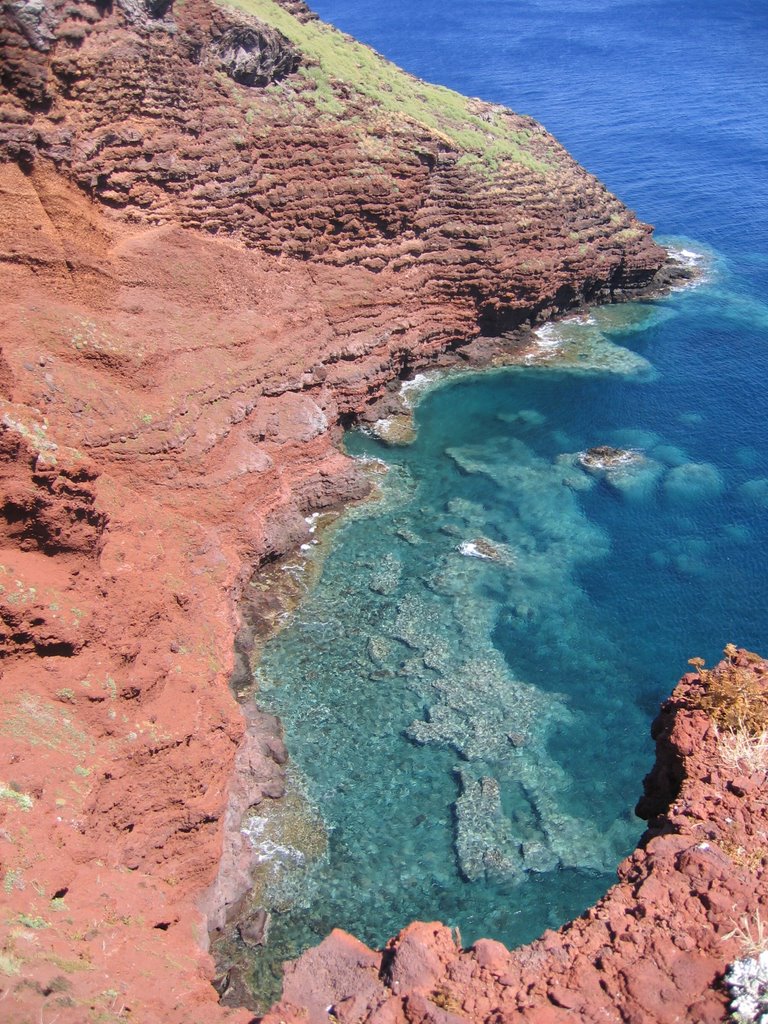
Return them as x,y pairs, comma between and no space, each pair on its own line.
223,231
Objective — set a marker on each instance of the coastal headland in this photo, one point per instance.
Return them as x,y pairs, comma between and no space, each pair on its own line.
228,232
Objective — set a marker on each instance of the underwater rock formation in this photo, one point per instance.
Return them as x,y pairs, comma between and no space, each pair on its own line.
654,950
606,457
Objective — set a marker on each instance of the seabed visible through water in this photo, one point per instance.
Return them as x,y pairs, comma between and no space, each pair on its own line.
467,690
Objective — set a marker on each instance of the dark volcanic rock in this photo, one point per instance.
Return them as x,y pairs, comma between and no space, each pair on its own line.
606,457
254,54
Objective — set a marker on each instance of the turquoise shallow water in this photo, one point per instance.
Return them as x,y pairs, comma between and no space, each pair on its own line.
474,730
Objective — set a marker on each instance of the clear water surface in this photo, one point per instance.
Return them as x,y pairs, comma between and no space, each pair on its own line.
468,690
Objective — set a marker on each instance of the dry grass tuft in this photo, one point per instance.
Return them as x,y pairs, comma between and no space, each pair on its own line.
749,858
744,752
752,933
443,998
735,694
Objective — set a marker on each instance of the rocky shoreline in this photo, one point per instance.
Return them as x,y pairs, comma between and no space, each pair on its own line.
390,416
209,273
264,608
654,949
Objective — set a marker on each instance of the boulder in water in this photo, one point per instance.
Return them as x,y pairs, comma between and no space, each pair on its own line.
485,845
693,482
254,929
604,457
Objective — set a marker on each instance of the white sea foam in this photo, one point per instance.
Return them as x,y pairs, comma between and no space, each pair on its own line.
555,333
686,257
419,380
268,849
580,318
691,260
254,828
295,569
413,390
471,550
549,340
549,336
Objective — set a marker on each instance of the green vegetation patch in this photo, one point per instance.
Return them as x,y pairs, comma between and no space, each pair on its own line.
343,72
22,800
32,921
41,723
9,964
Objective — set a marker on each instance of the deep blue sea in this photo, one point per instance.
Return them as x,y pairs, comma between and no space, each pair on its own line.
473,731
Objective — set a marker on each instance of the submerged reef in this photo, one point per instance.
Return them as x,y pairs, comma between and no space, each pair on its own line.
689,902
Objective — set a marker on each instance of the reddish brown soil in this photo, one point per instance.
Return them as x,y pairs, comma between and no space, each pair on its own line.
193,304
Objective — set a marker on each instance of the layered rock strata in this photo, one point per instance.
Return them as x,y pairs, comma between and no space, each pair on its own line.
224,233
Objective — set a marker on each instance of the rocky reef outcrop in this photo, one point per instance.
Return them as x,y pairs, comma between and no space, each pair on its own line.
224,232
655,950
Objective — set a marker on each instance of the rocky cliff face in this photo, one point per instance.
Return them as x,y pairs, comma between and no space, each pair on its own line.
255,125
224,230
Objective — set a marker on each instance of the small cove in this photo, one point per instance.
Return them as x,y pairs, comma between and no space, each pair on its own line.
473,731
468,689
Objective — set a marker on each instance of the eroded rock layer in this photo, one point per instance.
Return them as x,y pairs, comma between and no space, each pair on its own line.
224,231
